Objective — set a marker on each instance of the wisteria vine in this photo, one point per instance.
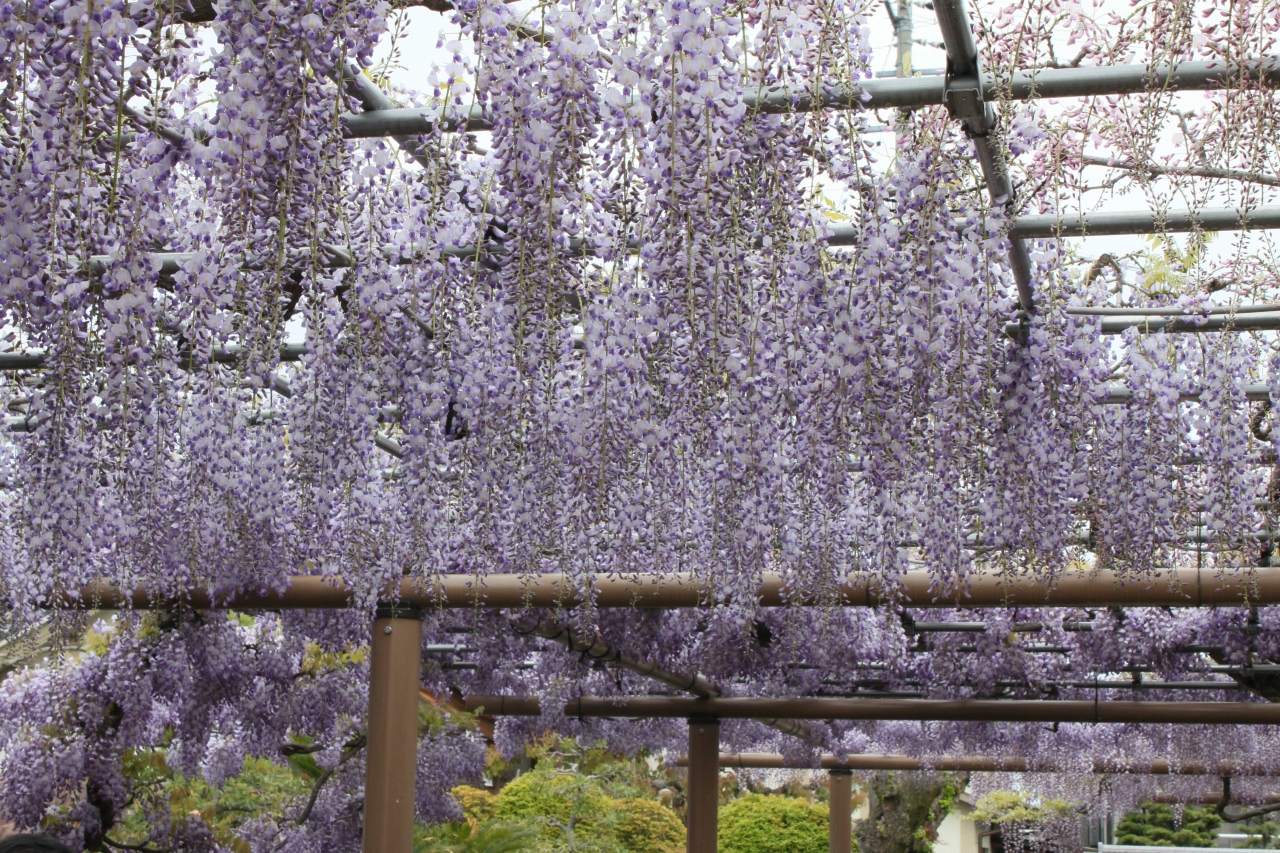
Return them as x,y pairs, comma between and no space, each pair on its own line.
608,335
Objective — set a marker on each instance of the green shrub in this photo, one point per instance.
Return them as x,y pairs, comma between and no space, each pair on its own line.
1153,825
647,826
761,823
478,805
463,837
571,810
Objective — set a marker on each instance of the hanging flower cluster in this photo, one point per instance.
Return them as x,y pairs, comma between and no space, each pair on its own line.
649,320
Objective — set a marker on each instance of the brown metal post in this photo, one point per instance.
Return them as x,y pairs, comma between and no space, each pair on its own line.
959,710
840,832
703,795
392,751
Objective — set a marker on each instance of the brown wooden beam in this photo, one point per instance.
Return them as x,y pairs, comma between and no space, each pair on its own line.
840,825
696,684
987,764
957,710
703,794
1169,588
395,661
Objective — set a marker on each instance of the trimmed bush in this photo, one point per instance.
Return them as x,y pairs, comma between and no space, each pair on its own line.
554,800
1155,825
478,805
647,826
763,823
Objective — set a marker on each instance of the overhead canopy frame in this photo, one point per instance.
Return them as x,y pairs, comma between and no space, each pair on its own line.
1189,587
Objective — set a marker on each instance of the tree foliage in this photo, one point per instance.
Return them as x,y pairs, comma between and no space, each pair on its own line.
575,811
465,837
1027,821
1264,833
647,826
478,805
571,810
1157,825
1018,807
767,823
262,788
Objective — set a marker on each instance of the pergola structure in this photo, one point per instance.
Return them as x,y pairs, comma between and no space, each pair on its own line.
970,94
396,656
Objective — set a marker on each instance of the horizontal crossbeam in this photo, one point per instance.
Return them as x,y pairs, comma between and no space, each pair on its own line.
1189,587
1144,222
905,92
952,710
987,764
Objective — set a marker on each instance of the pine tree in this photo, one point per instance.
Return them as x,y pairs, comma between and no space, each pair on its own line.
1154,825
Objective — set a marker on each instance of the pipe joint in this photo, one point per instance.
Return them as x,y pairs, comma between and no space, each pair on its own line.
398,609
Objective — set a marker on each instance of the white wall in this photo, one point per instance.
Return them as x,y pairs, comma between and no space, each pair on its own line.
958,834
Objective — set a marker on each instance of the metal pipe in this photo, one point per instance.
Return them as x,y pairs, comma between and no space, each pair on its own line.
373,100
907,92
955,710
1033,649
903,30
696,684
446,649
1228,686
840,832
1209,798
967,102
33,360
392,752
224,354
1144,222
987,764
1183,587
1254,391
996,177
1169,310
923,72
1082,82
1023,85
957,37
948,628
1215,323
411,121
703,795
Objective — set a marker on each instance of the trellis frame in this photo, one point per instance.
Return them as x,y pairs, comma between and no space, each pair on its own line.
968,93
1183,587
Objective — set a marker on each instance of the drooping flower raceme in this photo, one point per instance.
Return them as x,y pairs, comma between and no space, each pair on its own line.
659,318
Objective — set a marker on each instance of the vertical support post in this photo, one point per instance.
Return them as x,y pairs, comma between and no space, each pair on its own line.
840,833
904,31
392,751
703,795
